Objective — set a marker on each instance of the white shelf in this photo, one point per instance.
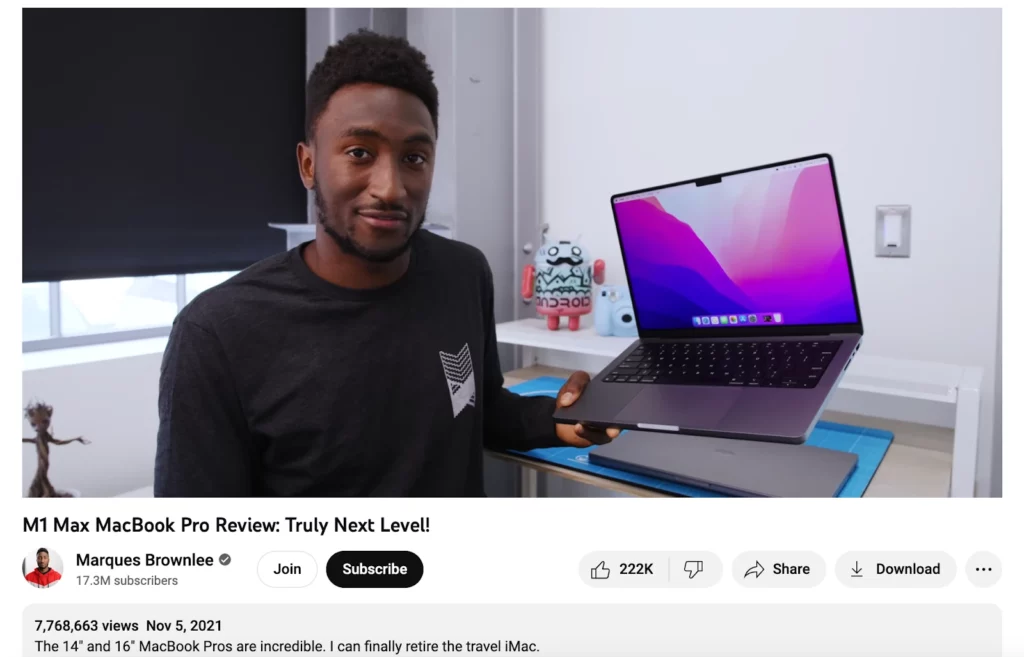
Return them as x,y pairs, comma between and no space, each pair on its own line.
535,333
916,379
296,234
303,229
93,353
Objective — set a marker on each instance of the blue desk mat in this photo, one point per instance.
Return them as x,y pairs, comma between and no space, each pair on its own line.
870,446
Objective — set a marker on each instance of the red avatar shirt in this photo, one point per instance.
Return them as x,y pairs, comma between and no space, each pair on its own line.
43,580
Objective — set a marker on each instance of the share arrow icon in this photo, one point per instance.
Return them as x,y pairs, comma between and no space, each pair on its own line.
756,570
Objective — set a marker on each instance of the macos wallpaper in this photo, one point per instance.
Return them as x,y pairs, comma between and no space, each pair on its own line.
765,245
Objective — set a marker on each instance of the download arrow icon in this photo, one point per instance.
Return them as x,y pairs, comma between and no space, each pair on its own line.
856,569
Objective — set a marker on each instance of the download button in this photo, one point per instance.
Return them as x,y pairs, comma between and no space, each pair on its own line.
896,569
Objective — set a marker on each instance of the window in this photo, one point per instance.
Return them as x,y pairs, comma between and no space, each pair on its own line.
73,313
35,311
132,71
106,305
197,283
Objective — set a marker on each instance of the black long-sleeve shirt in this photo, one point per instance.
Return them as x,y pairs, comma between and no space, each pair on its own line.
278,383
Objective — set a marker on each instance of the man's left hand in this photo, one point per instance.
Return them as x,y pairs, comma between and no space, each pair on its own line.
578,435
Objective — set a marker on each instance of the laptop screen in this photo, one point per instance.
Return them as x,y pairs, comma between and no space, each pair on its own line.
759,248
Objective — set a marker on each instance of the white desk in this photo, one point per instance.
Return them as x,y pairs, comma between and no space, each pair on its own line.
899,391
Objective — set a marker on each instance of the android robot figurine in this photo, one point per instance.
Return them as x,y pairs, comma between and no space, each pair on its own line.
561,280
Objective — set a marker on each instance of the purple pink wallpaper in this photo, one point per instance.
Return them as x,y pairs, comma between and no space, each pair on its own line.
754,245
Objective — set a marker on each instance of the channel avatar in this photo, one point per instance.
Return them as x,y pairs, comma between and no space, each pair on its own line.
47,569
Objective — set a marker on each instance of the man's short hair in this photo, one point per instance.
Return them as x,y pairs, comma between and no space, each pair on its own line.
41,550
366,56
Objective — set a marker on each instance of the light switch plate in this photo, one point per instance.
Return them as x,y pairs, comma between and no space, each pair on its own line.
882,250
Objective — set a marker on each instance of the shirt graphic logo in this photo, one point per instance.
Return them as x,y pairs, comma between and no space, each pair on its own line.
458,370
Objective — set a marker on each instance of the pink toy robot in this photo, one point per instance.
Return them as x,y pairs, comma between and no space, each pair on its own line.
561,279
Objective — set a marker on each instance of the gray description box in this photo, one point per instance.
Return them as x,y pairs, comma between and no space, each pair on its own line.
594,630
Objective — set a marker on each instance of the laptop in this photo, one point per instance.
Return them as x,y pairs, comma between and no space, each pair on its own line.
734,467
744,301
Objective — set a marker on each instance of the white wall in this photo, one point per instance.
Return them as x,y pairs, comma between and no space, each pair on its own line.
112,403
997,430
907,101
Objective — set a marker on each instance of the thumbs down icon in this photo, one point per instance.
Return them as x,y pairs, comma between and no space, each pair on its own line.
693,567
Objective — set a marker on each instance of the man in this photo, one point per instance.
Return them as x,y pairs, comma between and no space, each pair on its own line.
363,363
43,577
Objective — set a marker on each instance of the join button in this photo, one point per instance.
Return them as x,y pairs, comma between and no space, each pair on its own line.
289,570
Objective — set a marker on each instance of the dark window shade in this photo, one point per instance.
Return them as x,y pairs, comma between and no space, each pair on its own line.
159,141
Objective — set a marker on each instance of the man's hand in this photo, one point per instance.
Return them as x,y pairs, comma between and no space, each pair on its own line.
578,435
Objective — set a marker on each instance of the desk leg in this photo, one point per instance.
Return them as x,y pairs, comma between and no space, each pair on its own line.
528,476
527,482
529,356
965,434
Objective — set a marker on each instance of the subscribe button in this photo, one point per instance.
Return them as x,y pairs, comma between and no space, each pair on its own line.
374,570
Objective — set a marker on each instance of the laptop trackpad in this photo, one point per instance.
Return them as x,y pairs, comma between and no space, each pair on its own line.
688,407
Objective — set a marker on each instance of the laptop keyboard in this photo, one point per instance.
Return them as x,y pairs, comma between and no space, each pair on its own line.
778,364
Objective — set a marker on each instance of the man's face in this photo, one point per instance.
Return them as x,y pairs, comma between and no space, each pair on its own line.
371,168
43,560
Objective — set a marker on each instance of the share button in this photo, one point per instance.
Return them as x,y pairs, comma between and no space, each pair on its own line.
773,570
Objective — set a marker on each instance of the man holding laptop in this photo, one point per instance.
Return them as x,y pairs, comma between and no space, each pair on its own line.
365,362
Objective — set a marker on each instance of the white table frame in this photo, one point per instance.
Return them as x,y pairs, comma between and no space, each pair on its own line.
893,388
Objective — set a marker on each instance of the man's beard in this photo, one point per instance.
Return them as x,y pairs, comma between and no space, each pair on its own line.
349,245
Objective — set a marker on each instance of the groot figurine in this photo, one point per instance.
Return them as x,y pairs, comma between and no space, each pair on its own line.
39,416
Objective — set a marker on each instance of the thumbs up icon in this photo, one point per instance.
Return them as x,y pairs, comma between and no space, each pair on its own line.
600,572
